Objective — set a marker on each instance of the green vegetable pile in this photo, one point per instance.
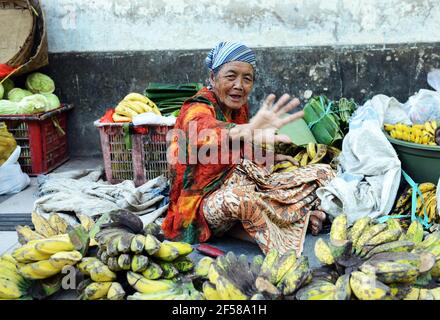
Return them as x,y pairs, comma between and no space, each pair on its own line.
37,97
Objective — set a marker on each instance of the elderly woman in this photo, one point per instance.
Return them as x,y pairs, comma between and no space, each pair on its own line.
209,197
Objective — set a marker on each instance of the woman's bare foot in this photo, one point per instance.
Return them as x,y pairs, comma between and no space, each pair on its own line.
317,218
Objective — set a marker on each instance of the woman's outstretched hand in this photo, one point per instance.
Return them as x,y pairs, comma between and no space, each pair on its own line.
271,117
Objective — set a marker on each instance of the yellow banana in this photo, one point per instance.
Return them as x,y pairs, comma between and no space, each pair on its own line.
116,292
388,127
338,231
358,228
86,221
28,253
182,247
87,264
210,291
139,263
9,289
97,290
52,246
136,106
120,118
166,252
323,252
284,264
414,232
202,267
304,160
153,271
367,287
143,285
429,128
228,291
102,274
311,150
26,234
57,223
39,270
42,226
125,111
295,277
65,258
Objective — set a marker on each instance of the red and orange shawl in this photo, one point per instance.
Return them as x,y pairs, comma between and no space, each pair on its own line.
190,183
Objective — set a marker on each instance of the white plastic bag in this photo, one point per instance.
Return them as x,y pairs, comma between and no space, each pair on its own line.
12,179
424,106
369,170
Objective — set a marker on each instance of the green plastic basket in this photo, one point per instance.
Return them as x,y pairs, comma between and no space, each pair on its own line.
421,162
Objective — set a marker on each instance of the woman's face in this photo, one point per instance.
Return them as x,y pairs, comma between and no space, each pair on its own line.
233,83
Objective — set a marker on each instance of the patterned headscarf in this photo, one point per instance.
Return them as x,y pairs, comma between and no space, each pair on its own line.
225,52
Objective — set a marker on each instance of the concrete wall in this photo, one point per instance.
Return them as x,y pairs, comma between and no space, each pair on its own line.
115,25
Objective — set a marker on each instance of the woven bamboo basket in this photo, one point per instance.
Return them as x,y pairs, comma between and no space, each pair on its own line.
34,53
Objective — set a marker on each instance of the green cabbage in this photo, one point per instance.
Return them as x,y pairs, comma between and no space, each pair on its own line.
35,103
2,91
16,94
8,107
8,84
40,83
53,101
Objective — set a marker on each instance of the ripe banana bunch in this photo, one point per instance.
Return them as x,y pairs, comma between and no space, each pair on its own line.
232,277
44,258
417,133
381,261
54,225
12,284
429,202
132,105
310,154
229,277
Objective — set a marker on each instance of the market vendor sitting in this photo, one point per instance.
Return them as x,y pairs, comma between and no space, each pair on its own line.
209,197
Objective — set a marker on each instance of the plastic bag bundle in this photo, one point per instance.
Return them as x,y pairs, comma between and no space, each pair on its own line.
12,179
7,143
425,105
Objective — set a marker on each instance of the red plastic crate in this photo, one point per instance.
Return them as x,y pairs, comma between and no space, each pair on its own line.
42,138
145,160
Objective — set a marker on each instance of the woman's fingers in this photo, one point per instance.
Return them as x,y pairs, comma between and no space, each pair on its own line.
290,118
268,102
282,138
281,102
293,104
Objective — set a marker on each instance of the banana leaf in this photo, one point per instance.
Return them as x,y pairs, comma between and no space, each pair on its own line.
161,91
324,126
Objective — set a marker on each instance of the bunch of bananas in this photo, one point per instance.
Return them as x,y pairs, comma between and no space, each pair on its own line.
275,276
44,258
12,284
126,247
428,201
417,133
54,225
101,282
132,105
303,156
376,262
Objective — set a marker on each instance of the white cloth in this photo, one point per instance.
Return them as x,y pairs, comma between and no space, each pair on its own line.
369,170
12,179
152,118
83,192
